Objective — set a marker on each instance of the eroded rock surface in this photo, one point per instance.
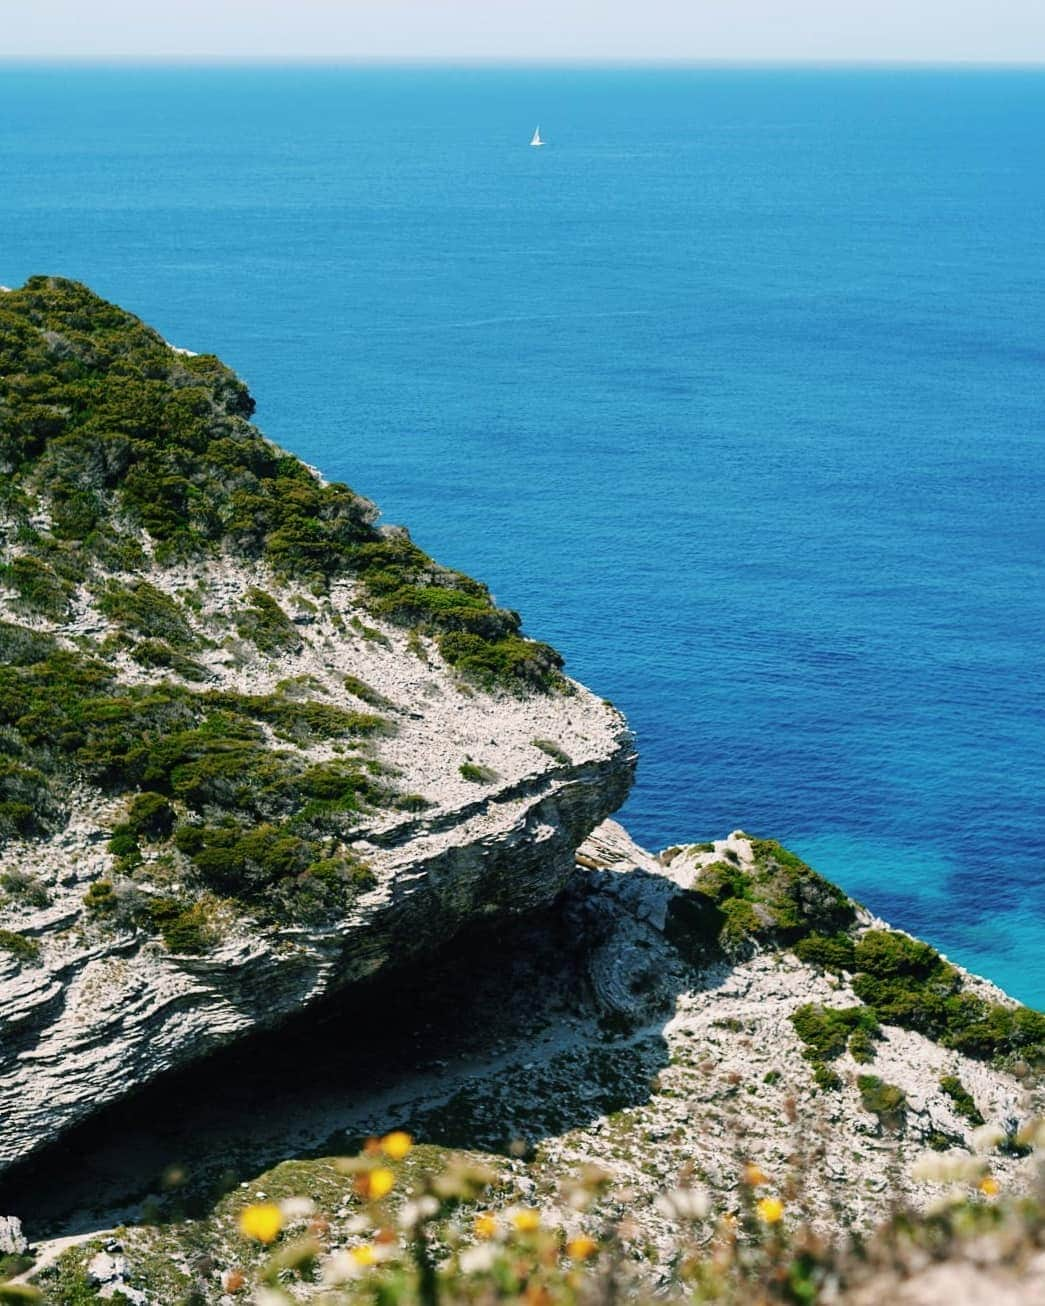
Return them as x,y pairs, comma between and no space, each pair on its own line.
253,748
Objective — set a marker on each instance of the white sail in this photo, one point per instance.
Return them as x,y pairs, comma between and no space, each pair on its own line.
537,136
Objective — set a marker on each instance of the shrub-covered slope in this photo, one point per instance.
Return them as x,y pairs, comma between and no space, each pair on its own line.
674,1138
116,448
248,739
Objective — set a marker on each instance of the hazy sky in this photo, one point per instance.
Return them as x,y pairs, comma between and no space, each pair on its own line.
904,30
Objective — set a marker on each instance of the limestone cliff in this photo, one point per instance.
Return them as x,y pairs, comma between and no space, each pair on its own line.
254,748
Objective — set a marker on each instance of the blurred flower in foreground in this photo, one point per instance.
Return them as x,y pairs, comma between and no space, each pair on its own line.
684,1204
296,1208
413,1212
485,1225
581,1247
986,1138
261,1221
989,1186
374,1184
397,1144
754,1176
474,1260
526,1220
948,1168
770,1210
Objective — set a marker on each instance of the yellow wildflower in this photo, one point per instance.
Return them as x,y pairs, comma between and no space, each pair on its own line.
485,1225
527,1221
989,1186
380,1182
581,1247
770,1210
262,1221
754,1176
396,1144
364,1255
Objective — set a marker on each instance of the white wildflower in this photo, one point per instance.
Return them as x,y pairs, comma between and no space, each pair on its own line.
297,1208
987,1138
474,1260
684,1204
339,1268
269,1297
948,1168
411,1213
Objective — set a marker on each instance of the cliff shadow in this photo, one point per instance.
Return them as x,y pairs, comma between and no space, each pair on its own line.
511,1035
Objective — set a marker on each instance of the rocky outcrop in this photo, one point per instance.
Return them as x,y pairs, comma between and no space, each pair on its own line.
347,753
101,1010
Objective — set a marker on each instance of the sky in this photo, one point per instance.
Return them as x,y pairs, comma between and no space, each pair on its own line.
916,31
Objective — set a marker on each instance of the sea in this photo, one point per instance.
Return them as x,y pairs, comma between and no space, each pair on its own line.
735,390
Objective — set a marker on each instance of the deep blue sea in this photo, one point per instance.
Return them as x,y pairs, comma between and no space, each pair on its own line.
736,390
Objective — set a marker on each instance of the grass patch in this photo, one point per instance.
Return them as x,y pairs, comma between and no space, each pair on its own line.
883,1100
266,625
964,1104
105,425
552,749
825,1031
18,946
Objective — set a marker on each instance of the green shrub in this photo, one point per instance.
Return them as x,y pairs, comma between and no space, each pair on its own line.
25,888
38,588
124,845
908,983
185,928
143,608
962,1099
21,647
886,954
722,881
861,1046
361,690
833,952
511,662
826,1030
13,1264
100,898
883,1100
553,750
741,924
266,625
477,774
25,950
801,901
154,653
151,816
825,1078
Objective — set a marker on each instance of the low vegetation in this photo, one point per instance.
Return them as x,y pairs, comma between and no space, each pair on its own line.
907,983
109,431
266,625
779,901
407,1225
963,1101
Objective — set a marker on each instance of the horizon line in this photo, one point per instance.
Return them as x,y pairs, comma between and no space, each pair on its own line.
503,61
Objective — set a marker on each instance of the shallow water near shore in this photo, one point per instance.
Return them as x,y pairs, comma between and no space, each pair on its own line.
735,391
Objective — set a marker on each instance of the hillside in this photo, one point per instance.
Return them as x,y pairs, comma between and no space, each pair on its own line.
304,846
254,746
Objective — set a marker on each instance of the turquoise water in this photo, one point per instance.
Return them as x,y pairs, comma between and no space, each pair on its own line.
736,391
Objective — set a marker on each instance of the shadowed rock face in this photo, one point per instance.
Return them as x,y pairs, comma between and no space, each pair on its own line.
352,757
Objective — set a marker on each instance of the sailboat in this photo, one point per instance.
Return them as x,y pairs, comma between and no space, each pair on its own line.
537,136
